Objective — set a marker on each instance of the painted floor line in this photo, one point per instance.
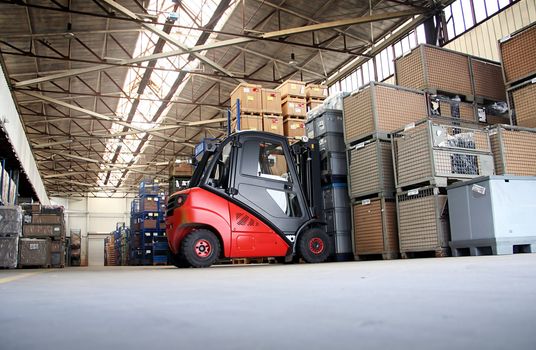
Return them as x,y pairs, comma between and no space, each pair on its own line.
17,277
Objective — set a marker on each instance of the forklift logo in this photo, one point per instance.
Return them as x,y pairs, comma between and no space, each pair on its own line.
242,219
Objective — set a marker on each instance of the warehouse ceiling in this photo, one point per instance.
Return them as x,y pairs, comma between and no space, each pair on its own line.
110,91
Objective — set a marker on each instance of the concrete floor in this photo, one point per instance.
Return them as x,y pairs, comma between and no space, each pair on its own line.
450,303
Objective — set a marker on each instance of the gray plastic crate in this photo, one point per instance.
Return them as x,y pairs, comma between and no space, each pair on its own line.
334,164
338,220
331,142
336,196
329,122
342,242
493,215
310,129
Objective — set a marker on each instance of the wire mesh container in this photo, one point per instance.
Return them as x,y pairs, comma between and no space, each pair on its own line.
513,150
488,82
423,220
452,108
380,108
370,168
375,227
435,69
429,152
522,103
517,54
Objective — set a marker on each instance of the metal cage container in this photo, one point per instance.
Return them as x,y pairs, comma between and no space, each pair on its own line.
429,152
513,150
375,227
370,168
522,104
517,54
423,220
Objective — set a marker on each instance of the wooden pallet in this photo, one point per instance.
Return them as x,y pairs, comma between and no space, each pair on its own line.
377,256
439,252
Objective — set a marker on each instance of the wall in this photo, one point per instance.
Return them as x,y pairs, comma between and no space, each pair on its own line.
95,217
482,40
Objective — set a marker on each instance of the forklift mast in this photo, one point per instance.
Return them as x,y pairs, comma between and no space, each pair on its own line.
307,159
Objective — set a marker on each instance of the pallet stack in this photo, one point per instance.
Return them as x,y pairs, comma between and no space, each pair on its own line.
43,229
468,87
293,107
519,70
326,125
76,245
10,232
110,257
428,156
147,240
181,170
370,115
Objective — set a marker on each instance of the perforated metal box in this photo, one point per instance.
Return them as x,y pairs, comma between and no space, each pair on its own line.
517,54
513,150
488,82
522,104
370,168
381,108
375,227
423,221
433,153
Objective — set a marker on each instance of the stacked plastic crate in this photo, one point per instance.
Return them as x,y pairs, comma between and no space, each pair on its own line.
519,70
370,115
147,223
325,123
10,232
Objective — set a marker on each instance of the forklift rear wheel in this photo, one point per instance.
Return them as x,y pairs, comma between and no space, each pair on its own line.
200,248
313,245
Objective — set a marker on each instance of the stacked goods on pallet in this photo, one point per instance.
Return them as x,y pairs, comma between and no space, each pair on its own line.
10,231
293,107
475,81
246,105
426,157
380,109
110,258
180,172
372,186
76,245
34,252
513,150
147,226
338,219
47,223
488,215
315,95
272,119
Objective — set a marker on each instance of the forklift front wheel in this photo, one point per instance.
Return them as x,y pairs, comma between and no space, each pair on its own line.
313,245
201,248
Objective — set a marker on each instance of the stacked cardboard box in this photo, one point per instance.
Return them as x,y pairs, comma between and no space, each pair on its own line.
293,107
315,95
246,102
272,117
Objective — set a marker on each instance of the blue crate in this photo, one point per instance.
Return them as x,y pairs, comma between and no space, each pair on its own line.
160,259
160,246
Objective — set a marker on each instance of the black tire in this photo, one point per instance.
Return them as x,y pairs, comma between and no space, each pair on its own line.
200,248
314,245
178,260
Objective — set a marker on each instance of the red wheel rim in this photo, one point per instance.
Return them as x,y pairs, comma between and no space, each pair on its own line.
202,248
316,245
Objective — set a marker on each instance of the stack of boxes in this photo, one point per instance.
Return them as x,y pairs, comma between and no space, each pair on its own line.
293,107
110,257
315,95
246,107
10,232
44,236
272,118
326,125
519,70
148,241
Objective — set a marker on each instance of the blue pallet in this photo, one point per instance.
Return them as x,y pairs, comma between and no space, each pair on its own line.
160,246
160,259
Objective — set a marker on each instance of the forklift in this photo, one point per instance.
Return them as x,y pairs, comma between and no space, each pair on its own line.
252,195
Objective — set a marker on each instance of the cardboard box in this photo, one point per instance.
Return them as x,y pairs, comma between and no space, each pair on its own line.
292,88
294,107
248,122
250,98
294,127
42,231
271,101
34,252
316,91
181,168
313,103
273,123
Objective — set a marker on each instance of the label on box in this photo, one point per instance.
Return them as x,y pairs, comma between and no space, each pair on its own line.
360,145
298,110
250,98
273,127
478,189
293,86
311,134
56,229
246,90
269,98
533,80
482,115
413,192
34,246
365,202
316,89
409,126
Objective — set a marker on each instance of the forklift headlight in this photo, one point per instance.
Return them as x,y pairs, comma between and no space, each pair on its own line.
175,202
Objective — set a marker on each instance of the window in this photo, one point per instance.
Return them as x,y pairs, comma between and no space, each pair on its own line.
286,201
272,163
219,174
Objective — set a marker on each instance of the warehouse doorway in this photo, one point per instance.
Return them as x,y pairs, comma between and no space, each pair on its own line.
96,248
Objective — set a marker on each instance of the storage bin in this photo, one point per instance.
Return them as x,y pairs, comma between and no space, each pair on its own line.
488,82
292,88
517,54
334,164
332,142
335,196
522,104
34,252
513,150
330,121
271,101
338,219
